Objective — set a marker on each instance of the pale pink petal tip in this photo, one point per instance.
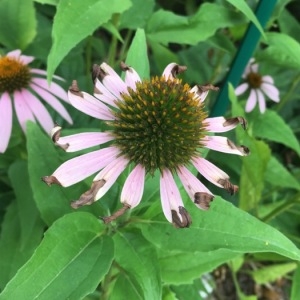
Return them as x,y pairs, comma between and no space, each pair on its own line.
131,76
221,124
251,101
6,117
241,89
172,70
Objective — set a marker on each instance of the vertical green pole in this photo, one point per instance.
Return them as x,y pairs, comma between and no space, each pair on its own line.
263,12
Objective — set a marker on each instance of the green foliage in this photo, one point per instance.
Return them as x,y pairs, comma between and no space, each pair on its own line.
48,250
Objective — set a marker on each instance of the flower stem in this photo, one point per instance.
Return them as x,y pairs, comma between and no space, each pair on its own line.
114,43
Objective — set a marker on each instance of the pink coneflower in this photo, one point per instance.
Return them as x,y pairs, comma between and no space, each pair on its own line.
259,87
24,86
157,124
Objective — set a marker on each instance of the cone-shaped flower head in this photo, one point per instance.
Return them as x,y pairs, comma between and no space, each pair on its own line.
24,87
260,86
157,124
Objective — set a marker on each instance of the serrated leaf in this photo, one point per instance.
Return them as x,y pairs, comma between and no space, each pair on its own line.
139,259
271,126
246,10
282,50
166,27
269,274
137,56
84,17
73,252
253,173
277,175
223,226
17,23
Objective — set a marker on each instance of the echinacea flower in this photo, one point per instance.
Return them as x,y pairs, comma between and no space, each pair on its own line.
157,124
260,86
24,86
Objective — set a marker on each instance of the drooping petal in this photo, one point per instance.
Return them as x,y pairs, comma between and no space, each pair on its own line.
76,142
110,174
53,102
261,101
241,89
251,101
6,116
78,168
133,188
102,93
171,201
214,174
223,144
172,70
39,111
43,72
23,112
271,91
200,94
197,192
221,124
112,81
88,104
54,88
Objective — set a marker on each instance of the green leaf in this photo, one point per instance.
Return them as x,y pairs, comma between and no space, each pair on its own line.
271,126
253,173
139,259
137,15
74,21
289,25
137,56
166,27
190,265
246,10
28,213
15,250
43,160
282,50
223,226
295,295
271,273
17,23
70,262
277,175
50,2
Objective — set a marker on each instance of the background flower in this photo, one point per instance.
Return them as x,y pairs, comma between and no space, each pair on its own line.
260,86
24,86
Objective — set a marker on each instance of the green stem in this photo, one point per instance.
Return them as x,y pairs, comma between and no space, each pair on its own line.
114,43
125,45
88,58
280,209
286,97
218,68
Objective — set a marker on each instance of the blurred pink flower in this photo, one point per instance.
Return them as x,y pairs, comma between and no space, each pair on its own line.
155,125
21,85
260,86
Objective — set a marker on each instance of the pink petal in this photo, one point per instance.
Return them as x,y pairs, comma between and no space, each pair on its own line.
112,81
241,89
131,78
90,106
26,59
76,142
222,144
267,79
79,168
54,88
6,116
219,124
23,112
110,174
102,93
169,194
271,91
200,95
43,72
133,188
53,102
167,73
14,54
209,171
39,111
251,102
261,101
191,183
